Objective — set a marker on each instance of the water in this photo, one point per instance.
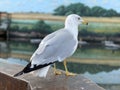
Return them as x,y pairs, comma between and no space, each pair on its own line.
97,51
94,61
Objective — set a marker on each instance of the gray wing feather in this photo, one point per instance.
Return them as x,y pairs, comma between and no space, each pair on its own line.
57,45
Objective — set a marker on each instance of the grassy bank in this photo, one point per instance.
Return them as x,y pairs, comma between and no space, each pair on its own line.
98,26
92,26
31,16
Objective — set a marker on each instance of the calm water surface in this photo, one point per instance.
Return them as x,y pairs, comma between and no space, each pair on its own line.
108,76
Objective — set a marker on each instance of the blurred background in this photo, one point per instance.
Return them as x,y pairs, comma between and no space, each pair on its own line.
23,24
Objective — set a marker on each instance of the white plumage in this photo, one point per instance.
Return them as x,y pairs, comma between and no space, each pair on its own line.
56,46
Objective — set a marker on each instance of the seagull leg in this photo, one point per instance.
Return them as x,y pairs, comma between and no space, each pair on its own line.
56,72
66,70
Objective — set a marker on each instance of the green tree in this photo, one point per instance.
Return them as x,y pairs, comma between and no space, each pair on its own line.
77,8
42,27
98,11
14,28
24,29
111,12
60,10
83,10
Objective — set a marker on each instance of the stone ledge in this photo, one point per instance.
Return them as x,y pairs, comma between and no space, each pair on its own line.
51,82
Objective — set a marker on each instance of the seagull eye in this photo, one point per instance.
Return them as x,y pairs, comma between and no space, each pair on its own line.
78,18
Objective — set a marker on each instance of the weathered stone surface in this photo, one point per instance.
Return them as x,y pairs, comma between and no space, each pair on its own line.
51,82
9,83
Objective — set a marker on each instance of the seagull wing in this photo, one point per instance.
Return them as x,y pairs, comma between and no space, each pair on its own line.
55,47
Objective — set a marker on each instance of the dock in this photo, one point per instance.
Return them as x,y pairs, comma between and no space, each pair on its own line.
51,82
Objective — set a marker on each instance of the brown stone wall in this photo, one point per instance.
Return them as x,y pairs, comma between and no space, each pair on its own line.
10,83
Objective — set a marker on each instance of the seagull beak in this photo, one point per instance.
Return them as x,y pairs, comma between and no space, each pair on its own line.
85,22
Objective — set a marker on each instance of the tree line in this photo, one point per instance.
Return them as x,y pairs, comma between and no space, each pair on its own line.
44,28
39,26
83,10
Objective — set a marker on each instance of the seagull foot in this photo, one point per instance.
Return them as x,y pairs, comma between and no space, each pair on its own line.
57,72
70,74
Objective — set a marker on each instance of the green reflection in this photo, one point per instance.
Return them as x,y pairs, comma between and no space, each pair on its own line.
97,52
91,68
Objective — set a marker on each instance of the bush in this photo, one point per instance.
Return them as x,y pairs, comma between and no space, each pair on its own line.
42,27
83,10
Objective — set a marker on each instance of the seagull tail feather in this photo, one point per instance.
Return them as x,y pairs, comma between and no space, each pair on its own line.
25,70
28,68
18,74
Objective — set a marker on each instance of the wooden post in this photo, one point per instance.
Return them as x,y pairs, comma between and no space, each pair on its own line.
8,28
0,18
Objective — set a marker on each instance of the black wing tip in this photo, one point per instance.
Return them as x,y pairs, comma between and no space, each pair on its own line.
27,69
23,71
18,74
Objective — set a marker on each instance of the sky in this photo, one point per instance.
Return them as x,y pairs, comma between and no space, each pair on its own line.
48,6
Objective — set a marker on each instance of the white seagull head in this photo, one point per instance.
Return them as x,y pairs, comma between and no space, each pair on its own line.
74,20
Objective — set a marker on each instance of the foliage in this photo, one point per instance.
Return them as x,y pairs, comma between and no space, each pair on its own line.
14,28
60,10
98,11
39,26
42,27
85,33
83,10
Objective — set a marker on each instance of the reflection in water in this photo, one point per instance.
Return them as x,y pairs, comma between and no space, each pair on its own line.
91,68
21,50
97,51
101,74
111,77
15,61
15,52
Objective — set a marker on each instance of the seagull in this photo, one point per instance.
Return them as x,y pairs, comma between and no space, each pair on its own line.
55,47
